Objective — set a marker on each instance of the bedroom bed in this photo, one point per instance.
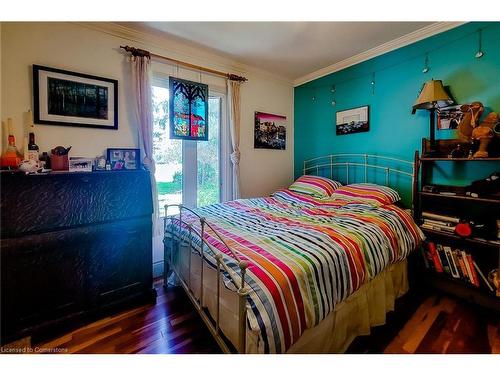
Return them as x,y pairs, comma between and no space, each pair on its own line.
298,272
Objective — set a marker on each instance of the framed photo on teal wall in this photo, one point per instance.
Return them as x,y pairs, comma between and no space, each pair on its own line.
188,110
355,120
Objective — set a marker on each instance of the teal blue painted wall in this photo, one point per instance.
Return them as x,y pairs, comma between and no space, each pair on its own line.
398,75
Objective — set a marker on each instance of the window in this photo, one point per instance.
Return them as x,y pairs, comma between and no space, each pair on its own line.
189,172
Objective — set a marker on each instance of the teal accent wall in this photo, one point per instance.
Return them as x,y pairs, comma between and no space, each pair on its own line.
394,131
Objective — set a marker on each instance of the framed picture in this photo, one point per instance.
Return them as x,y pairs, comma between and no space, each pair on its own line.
78,164
124,158
67,98
355,120
269,131
188,110
449,117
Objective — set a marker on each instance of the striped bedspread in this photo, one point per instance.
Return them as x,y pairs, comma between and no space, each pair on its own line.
305,255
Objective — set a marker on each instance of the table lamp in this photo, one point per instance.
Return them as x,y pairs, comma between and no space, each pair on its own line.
432,97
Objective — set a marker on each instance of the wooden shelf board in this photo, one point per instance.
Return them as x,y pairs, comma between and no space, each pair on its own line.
460,288
458,159
473,241
459,197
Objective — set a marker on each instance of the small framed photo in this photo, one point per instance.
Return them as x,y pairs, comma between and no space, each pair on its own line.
68,98
124,158
355,120
449,117
77,164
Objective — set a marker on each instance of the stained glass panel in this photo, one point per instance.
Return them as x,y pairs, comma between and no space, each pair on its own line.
188,110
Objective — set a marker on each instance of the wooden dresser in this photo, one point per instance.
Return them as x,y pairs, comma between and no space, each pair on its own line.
74,246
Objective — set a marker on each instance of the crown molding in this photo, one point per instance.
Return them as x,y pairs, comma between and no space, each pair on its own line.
180,51
415,36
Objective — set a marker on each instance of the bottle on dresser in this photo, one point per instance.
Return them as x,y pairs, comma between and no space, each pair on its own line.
33,149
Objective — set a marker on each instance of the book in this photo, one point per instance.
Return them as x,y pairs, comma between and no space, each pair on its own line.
432,216
439,228
435,257
424,255
482,277
467,266
475,279
437,222
443,258
462,265
453,266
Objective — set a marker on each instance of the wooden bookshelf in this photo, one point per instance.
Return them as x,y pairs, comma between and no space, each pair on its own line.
482,209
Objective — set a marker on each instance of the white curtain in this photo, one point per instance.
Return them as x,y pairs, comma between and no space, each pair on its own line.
141,90
233,92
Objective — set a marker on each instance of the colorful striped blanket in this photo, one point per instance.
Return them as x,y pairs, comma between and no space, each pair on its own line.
305,255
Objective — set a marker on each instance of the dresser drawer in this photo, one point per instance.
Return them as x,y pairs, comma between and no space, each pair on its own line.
39,203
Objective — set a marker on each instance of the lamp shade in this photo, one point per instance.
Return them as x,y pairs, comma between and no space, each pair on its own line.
432,95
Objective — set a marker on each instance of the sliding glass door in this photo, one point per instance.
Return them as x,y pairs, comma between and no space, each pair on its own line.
187,172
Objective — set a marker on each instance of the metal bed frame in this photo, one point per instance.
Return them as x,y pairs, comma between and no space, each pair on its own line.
175,242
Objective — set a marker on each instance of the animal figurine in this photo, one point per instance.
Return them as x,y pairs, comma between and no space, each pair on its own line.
484,134
472,114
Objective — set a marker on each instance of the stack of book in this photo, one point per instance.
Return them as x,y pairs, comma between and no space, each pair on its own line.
441,223
454,262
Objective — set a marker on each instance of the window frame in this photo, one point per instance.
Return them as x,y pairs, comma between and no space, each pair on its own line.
189,150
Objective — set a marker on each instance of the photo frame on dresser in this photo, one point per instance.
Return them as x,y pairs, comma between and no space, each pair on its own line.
124,158
66,98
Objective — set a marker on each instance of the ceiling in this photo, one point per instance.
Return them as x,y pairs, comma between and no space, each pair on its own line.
287,49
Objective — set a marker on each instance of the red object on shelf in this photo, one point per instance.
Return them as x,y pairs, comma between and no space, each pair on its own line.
463,229
59,162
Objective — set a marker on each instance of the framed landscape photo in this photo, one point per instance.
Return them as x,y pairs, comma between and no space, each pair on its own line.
67,98
124,158
355,120
269,131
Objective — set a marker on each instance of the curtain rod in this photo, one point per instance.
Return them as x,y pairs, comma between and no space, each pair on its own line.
141,52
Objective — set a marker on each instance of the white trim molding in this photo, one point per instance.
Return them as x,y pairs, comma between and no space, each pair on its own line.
159,43
415,36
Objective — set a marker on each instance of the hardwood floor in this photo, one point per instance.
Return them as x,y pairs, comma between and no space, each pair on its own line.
170,326
431,324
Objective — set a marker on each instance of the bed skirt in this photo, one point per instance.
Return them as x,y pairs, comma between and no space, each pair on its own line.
365,308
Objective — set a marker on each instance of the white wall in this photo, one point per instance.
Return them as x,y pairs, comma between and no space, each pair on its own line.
94,49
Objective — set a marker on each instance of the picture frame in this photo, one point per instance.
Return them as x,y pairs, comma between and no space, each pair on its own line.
65,98
124,158
448,118
353,120
269,131
80,164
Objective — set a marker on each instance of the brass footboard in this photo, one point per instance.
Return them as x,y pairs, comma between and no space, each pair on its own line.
175,243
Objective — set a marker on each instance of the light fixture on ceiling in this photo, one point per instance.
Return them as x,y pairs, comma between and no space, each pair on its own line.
479,52
426,64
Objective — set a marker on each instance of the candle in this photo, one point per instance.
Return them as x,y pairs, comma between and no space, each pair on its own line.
28,120
9,126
